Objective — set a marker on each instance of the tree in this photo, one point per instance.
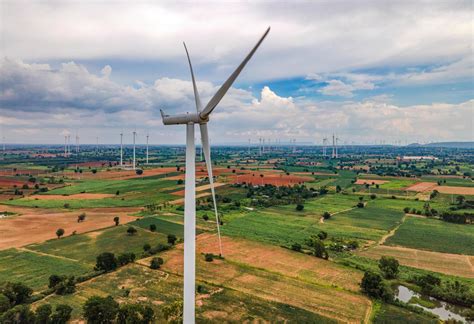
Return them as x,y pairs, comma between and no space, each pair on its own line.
389,267
156,263
326,215
125,258
106,261
208,257
152,227
131,230
205,217
299,207
43,314
372,284
146,247
16,292
101,310
172,239
81,217
66,286
54,280
338,188
360,204
117,220
62,314
406,210
59,232
135,313
20,314
373,196
322,235
139,171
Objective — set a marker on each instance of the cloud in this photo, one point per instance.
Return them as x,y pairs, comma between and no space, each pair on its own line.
37,99
318,37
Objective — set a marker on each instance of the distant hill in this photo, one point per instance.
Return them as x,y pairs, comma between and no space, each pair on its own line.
468,145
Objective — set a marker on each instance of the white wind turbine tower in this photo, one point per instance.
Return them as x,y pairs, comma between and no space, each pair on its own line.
134,161
121,149
201,117
337,140
65,145
77,143
147,136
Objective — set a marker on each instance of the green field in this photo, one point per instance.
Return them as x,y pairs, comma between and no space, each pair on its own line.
370,217
397,315
162,226
398,184
34,269
86,247
434,235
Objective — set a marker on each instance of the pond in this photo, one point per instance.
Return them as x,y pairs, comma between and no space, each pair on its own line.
443,310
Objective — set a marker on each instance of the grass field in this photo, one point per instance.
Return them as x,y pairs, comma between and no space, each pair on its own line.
397,315
156,289
434,235
398,184
162,226
86,247
34,269
284,227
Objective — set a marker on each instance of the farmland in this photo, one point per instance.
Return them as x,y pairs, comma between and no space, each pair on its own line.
271,209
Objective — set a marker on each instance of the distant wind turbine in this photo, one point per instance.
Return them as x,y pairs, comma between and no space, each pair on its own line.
201,117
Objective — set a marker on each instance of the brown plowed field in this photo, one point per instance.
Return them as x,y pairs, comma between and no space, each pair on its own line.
291,278
269,178
422,186
34,225
451,264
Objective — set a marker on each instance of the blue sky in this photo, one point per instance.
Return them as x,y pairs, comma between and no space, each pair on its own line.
368,71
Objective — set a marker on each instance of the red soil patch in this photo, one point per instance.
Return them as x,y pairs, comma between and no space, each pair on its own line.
422,186
6,182
268,178
370,181
455,190
35,225
72,197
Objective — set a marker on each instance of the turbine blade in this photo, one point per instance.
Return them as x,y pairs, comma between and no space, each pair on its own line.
196,93
207,157
228,83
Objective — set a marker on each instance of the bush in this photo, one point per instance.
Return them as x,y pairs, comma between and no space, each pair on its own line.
152,227
59,232
205,217
106,261
373,285
116,220
322,235
389,267
326,215
171,239
373,196
296,247
131,230
146,247
139,171
209,257
299,207
156,263
17,293
101,310
62,314
125,258
135,313
360,205
406,210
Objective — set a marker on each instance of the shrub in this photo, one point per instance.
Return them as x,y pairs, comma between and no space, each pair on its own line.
116,220
389,267
100,310
326,215
131,230
156,263
139,171
373,196
360,204
406,210
296,247
209,257
171,239
125,258
205,217
106,261
146,247
59,232
373,285
152,227
62,314
299,207
322,235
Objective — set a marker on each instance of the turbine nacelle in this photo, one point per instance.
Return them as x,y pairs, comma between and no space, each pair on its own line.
183,119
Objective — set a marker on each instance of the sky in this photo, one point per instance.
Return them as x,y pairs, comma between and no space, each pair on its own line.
368,71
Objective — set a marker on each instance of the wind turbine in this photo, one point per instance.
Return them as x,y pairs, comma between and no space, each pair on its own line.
201,117
121,149
134,135
147,136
